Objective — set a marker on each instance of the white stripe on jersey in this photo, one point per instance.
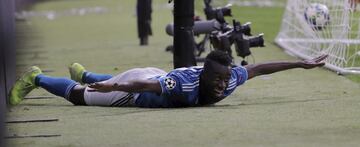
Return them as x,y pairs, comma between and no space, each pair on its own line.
232,83
190,87
229,88
189,84
187,90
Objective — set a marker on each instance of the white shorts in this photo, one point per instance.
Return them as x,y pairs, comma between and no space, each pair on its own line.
120,98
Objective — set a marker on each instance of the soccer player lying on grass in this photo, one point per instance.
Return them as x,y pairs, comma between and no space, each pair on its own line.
152,87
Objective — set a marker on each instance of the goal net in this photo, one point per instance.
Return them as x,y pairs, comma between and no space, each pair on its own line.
340,38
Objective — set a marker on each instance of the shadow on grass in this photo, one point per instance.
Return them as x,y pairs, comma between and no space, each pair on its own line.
47,105
216,106
235,106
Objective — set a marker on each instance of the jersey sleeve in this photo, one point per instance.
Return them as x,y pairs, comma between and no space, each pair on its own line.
241,75
170,85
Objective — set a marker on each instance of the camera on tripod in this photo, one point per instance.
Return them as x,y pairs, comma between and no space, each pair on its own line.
244,43
216,13
238,35
220,35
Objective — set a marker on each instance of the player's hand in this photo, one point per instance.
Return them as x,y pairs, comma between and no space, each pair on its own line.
315,62
101,87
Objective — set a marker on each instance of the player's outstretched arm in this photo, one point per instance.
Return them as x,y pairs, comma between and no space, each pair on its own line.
131,86
272,67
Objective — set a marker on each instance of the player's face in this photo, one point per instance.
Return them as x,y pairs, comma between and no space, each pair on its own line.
216,80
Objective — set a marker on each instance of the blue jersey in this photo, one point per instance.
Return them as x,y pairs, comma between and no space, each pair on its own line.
180,88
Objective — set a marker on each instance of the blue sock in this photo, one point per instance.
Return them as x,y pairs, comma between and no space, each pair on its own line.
58,86
89,77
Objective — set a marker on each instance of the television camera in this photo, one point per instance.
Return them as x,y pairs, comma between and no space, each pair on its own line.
221,35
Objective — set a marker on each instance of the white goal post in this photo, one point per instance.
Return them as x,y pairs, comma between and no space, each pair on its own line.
340,39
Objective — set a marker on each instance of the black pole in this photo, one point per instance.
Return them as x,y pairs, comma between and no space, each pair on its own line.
143,11
183,33
7,57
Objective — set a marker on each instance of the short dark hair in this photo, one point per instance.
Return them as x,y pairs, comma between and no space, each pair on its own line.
220,57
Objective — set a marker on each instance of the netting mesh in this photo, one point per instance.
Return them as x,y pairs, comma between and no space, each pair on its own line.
340,39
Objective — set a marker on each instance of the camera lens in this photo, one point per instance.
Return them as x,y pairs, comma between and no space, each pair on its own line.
242,47
257,41
226,11
246,29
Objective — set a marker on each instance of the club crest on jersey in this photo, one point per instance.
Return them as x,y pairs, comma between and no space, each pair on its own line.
170,83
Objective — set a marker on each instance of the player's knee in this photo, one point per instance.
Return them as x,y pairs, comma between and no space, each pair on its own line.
77,96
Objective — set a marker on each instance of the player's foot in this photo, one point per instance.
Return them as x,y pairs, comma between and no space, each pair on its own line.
24,85
76,72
